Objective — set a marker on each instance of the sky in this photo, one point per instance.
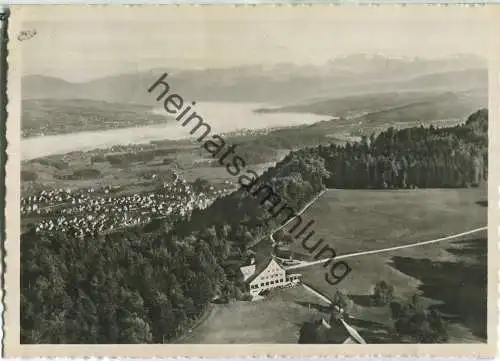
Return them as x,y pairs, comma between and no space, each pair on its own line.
85,46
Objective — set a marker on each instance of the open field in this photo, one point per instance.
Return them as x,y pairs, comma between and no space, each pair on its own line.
450,274
133,168
360,220
275,319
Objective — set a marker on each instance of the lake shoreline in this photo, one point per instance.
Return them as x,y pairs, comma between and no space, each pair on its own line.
225,118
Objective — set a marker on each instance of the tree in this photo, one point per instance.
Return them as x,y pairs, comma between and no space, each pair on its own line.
201,185
415,324
342,300
135,330
383,293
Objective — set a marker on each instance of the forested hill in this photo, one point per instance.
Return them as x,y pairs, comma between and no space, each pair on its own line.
412,157
150,283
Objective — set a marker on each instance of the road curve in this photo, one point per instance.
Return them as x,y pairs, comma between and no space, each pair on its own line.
389,249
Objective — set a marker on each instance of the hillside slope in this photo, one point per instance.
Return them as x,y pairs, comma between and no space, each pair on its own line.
149,284
58,116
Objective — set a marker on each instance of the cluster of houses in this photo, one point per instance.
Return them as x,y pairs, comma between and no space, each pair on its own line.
43,201
96,211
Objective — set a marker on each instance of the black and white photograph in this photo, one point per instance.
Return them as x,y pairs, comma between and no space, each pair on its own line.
251,176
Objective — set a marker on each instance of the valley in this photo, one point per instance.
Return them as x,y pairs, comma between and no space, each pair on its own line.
162,230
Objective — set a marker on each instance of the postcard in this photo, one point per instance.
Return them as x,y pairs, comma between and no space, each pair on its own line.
259,180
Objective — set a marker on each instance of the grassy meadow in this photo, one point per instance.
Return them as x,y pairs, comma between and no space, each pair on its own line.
450,274
360,220
275,319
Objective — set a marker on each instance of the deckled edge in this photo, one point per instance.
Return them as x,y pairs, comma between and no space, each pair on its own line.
4,18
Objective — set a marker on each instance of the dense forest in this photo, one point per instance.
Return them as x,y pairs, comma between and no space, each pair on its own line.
412,157
150,283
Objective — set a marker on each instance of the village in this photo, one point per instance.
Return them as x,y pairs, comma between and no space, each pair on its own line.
100,210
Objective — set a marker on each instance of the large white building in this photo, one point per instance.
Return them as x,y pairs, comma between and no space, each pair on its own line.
266,276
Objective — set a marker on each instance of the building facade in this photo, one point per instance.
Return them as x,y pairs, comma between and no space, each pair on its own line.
270,275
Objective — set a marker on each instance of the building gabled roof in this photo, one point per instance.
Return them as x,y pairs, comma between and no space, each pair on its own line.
262,266
247,271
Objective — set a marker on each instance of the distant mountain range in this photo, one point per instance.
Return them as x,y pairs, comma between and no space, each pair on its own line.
394,106
281,84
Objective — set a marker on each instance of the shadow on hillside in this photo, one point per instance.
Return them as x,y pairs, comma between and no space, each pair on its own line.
461,286
362,300
374,332
307,333
477,247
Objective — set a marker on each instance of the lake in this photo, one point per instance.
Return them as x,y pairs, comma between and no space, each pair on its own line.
222,118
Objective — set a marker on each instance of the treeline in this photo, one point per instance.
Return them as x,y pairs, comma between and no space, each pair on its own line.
132,157
83,173
150,283
412,157
413,322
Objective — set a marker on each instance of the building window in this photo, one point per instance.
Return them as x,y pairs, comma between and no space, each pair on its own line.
267,283
262,284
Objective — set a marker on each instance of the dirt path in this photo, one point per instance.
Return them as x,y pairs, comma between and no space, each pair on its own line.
305,208
382,250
